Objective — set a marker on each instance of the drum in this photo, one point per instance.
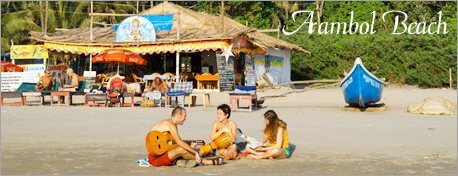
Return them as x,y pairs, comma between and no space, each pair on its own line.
221,142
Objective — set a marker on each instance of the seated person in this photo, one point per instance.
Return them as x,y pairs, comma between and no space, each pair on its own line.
115,88
160,85
72,83
116,84
183,150
276,136
46,82
224,125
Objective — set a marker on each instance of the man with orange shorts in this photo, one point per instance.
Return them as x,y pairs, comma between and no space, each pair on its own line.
183,150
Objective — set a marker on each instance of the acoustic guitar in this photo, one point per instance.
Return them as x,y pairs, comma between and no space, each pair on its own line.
157,143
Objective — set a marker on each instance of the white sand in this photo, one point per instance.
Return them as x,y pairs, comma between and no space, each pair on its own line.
330,141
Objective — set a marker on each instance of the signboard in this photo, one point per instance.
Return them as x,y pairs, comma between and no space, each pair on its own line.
226,72
135,29
10,81
28,52
89,77
160,22
250,79
40,68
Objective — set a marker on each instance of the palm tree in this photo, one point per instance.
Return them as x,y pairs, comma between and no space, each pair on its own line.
17,23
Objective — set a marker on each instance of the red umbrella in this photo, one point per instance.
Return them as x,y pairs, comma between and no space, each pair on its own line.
7,67
119,56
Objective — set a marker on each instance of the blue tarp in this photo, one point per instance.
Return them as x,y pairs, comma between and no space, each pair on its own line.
6,55
160,22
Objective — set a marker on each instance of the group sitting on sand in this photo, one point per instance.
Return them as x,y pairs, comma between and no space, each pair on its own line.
166,148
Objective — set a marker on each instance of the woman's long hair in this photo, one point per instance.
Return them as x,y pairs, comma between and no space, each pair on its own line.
274,122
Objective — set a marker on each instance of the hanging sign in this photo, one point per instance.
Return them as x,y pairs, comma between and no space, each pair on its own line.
135,29
28,52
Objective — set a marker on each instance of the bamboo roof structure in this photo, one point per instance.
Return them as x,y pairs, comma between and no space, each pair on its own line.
191,26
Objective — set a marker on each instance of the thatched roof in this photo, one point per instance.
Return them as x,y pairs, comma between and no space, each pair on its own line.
193,26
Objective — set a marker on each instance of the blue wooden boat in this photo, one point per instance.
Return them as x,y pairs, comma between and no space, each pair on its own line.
360,87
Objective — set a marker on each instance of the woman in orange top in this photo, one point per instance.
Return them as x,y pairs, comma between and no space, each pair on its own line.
276,136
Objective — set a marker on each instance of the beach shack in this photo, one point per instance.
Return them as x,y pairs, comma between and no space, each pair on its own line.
217,51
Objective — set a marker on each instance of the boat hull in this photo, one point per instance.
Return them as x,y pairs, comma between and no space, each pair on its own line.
360,88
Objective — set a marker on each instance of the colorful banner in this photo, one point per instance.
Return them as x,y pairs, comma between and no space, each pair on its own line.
160,22
28,52
259,59
135,29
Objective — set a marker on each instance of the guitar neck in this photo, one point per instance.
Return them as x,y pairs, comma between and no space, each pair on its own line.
199,142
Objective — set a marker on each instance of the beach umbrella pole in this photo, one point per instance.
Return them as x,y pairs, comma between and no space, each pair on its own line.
90,62
177,67
118,69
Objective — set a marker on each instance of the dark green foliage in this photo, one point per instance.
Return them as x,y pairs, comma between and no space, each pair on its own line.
422,60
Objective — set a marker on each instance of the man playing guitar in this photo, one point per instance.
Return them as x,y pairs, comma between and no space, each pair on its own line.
183,150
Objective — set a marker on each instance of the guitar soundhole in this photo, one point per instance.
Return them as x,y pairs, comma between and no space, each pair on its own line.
158,143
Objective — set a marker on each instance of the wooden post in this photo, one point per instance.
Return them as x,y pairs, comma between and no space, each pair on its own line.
46,19
41,17
178,26
12,60
222,18
137,6
92,20
90,37
450,76
177,67
278,32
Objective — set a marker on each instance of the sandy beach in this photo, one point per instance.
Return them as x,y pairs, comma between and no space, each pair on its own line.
79,140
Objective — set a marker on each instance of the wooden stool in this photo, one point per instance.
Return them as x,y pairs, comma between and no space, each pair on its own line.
61,95
237,98
193,97
32,94
124,96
